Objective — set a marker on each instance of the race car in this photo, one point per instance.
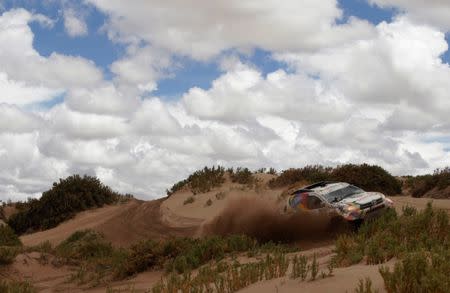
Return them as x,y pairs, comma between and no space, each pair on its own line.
348,201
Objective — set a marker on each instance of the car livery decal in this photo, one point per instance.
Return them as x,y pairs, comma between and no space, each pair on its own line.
298,201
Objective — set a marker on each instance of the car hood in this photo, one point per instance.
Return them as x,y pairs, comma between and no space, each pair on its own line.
363,198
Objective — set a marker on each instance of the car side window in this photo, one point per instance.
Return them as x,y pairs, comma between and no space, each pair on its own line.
313,202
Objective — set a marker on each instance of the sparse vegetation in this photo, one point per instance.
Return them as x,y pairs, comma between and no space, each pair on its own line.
16,287
419,272
208,203
309,173
226,276
421,185
8,254
272,171
189,200
10,245
220,195
365,286
242,176
61,202
98,262
395,236
299,267
370,178
8,237
201,181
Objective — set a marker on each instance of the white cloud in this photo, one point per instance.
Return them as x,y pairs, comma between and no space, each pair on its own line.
211,27
400,68
243,94
22,63
352,93
435,12
139,70
74,23
14,120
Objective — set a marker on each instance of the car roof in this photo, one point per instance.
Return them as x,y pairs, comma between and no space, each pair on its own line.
323,187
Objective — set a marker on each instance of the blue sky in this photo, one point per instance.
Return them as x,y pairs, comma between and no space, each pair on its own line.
97,47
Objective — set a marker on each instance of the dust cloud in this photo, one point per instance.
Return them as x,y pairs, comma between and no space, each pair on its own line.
264,221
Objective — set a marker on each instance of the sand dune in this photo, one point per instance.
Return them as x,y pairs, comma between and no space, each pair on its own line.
128,223
123,225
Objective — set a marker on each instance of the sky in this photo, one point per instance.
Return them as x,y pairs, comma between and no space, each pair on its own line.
142,93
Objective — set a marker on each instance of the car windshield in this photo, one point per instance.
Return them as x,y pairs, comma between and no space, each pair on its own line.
342,193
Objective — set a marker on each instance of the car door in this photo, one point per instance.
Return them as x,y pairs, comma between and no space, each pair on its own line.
314,203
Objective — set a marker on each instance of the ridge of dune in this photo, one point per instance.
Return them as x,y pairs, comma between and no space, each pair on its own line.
122,225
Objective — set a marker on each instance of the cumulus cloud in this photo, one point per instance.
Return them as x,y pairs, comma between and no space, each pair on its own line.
212,27
434,12
15,120
401,68
56,71
74,23
350,92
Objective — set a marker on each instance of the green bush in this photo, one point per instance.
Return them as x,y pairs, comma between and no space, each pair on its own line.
242,176
8,237
395,236
208,203
84,245
189,200
8,254
365,286
367,177
309,173
419,272
201,181
420,185
61,202
181,254
16,287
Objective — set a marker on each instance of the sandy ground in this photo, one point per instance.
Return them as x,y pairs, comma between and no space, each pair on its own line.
136,220
420,203
123,225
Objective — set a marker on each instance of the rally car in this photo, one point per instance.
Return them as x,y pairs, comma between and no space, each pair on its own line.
348,201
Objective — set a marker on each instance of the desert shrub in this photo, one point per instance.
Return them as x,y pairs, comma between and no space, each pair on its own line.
189,200
8,254
225,277
44,247
348,250
16,287
84,245
299,267
96,260
419,272
220,195
181,254
314,268
420,185
8,237
201,181
365,286
395,236
242,176
176,187
368,177
61,202
208,203
309,173
272,171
